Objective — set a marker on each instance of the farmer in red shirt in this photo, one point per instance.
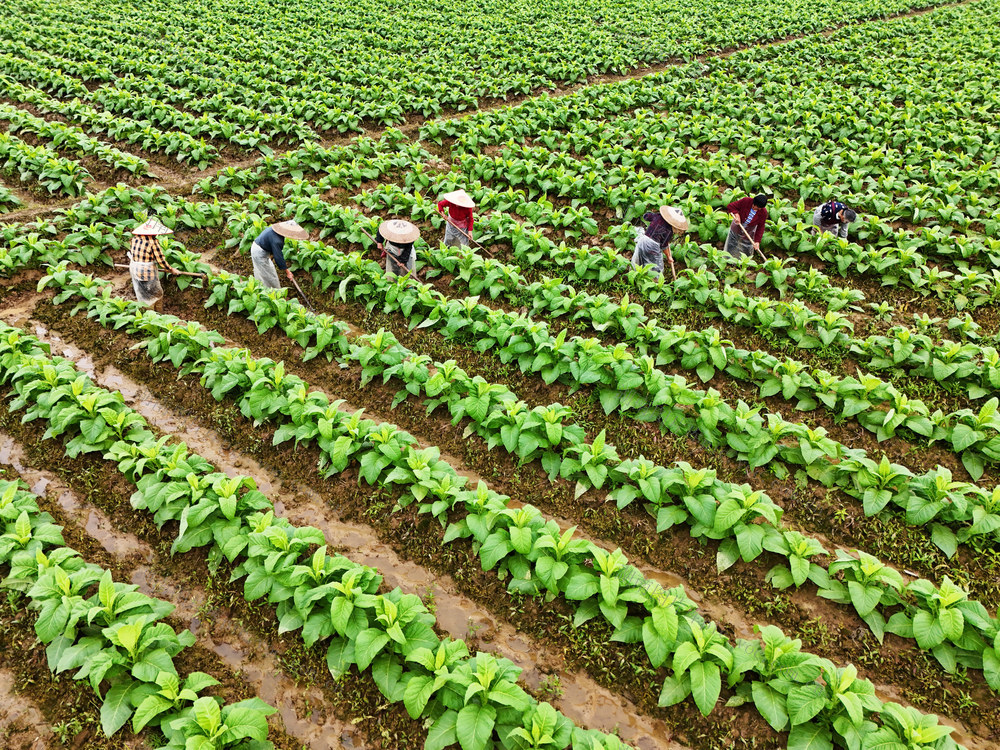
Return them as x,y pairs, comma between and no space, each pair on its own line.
458,229
752,214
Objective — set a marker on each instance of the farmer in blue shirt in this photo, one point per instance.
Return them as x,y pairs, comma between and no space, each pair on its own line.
270,245
834,217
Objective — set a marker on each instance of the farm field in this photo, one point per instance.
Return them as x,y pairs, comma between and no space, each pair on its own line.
534,497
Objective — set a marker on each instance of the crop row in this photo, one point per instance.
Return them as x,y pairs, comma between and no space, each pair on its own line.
545,433
634,385
42,165
976,367
943,361
586,177
145,134
120,101
8,201
332,600
448,64
706,353
67,138
745,523
791,124
968,287
107,631
508,538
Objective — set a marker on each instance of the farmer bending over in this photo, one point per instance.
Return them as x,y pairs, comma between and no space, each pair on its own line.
751,215
270,244
834,217
395,239
654,241
458,227
145,259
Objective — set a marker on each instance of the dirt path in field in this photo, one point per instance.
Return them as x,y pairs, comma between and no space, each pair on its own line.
302,710
22,726
126,547
583,701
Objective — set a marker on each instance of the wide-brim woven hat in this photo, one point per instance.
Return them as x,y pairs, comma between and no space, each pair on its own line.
675,218
459,198
291,230
399,230
152,228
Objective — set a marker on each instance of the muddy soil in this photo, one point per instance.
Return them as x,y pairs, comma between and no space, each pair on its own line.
710,575
810,506
457,615
547,624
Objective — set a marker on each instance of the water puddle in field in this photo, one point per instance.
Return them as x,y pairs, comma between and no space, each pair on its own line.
22,726
84,514
18,313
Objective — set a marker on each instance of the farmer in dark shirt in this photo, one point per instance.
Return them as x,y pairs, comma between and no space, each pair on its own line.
834,217
395,239
655,240
270,244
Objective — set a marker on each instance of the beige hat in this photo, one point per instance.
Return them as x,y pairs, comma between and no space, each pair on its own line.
675,218
152,228
399,230
459,198
291,230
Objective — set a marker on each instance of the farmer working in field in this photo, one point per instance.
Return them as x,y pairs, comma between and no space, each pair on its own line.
751,215
145,260
834,217
655,240
395,240
270,244
456,207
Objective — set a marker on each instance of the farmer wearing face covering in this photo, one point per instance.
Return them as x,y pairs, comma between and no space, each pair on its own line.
655,240
395,239
270,245
834,217
752,215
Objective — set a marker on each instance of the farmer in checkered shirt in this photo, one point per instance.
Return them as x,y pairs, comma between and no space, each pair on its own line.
145,261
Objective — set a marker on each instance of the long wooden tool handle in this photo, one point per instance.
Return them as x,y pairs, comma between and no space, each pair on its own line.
303,294
747,235
179,273
465,234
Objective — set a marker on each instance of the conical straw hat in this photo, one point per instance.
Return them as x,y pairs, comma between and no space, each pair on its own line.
291,230
152,228
675,218
459,198
399,230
